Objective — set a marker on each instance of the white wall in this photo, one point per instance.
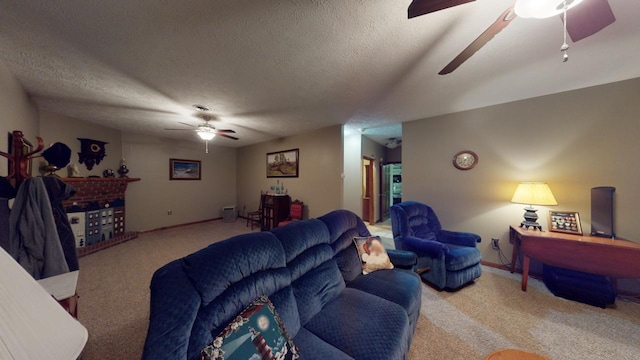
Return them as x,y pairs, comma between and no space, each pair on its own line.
319,183
574,141
149,200
352,170
60,128
17,112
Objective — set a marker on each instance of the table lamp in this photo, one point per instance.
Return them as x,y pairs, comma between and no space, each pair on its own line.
34,325
533,193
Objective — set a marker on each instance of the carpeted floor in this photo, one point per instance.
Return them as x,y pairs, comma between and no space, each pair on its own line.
490,314
493,313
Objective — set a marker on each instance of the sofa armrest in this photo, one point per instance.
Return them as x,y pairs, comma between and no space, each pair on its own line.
423,247
402,259
458,238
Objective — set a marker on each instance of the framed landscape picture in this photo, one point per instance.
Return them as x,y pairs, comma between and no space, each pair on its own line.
180,169
282,163
565,221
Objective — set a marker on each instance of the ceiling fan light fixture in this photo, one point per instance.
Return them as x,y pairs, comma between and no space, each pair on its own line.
540,9
206,134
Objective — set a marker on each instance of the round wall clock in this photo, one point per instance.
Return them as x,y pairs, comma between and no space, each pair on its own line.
465,160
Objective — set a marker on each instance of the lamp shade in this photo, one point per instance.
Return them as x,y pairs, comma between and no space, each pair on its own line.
34,325
541,9
534,193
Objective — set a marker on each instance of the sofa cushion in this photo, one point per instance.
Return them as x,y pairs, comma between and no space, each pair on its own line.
401,287
174,306
258,322
301,236
372,254
377,329
423,231
244,256
314,274
230,274
313,348
316,288
460,257
343,226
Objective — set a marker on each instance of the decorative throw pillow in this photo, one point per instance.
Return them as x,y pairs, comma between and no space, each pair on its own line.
372,254
256,333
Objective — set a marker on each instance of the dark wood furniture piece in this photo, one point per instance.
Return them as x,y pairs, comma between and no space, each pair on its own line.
295,212
255,217
19,158
274,209
590,254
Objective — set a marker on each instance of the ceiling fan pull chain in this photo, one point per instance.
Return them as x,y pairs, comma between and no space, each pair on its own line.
206,146
565,46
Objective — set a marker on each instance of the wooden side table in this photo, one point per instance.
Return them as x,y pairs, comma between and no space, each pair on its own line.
514,354
63,288
590,254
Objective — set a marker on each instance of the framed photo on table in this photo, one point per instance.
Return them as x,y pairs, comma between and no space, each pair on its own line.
180,169
565,221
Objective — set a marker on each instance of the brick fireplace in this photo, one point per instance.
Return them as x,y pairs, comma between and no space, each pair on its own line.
97,212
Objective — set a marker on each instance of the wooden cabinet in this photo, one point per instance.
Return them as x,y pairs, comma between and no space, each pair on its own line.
275,208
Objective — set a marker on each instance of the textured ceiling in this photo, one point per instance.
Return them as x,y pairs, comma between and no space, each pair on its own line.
269,69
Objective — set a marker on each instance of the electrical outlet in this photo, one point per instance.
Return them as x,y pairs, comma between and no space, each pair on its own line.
169,212
495,243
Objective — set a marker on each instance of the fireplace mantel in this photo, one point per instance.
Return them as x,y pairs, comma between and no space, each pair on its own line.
105,192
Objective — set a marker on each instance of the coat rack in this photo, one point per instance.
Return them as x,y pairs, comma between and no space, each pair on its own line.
18,159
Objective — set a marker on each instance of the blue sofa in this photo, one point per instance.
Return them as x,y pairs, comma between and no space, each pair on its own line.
311,272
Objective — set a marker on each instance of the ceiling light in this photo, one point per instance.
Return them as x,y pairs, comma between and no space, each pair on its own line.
393,143
206,133
541,9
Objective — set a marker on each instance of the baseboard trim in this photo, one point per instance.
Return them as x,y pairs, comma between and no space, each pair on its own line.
93,248
178,225
533,274
498,266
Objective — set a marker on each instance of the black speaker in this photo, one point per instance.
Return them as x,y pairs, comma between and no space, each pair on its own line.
602,211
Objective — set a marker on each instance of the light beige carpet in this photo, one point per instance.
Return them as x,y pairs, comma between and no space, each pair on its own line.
490,314
493,313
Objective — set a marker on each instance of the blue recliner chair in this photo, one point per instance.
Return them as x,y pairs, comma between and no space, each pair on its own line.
452,257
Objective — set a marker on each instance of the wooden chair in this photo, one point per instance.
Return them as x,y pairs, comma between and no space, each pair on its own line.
255,217
295,212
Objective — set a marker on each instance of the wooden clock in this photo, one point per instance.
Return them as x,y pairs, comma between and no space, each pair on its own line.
465,160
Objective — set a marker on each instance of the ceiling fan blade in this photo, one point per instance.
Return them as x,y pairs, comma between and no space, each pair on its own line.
421,7
588,18
228,136
226,131
183,123
481,41
180,129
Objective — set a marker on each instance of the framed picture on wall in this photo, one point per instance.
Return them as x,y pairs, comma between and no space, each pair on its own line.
180,169
282,163
565,221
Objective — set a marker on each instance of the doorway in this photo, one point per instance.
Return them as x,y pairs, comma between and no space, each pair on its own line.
368,212
390,187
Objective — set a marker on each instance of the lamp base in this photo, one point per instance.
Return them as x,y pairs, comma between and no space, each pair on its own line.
526,224
530,219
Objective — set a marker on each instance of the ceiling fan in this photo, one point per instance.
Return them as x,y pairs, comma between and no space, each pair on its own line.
580,22
207,132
